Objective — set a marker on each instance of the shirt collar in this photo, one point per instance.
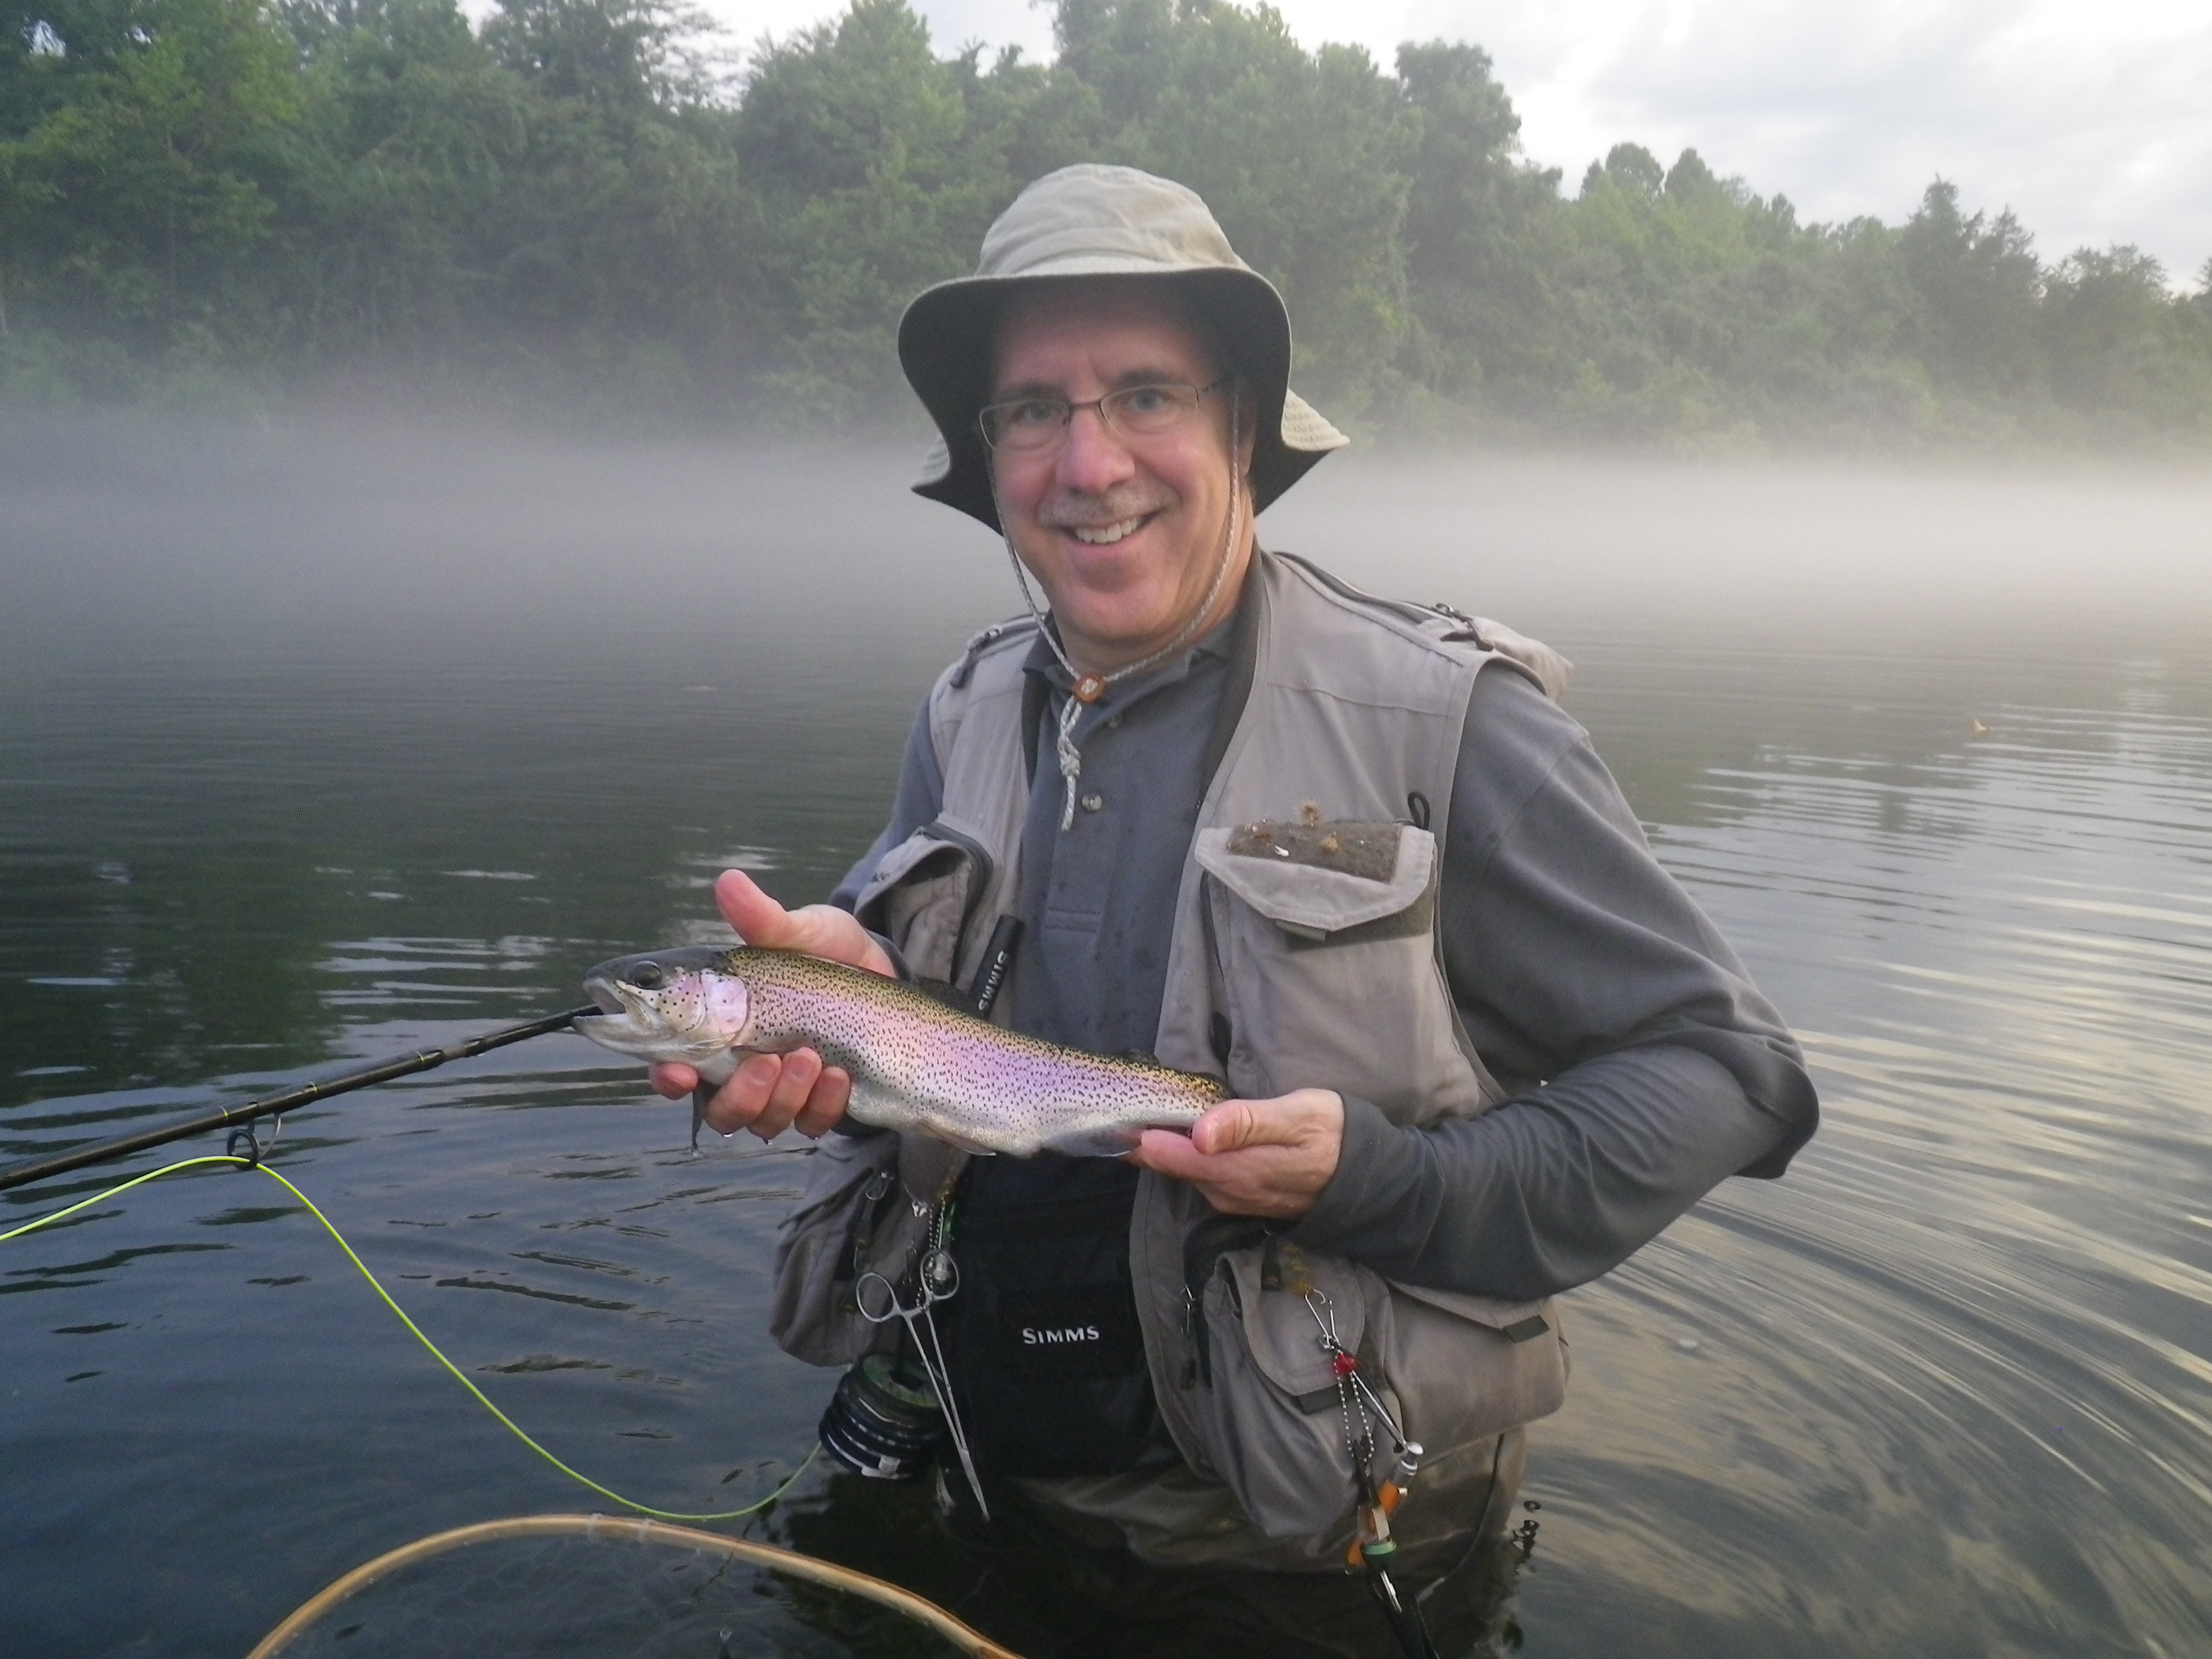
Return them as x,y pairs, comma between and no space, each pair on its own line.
1044,663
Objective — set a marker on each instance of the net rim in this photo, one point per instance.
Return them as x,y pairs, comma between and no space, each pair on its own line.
614,1528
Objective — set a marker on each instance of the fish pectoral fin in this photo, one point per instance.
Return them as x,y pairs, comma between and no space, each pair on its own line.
1094,1143
974,1148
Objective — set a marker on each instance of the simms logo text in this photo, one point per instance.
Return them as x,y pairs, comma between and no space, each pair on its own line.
1032,1337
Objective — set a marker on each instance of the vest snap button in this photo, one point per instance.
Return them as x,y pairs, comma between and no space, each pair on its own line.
1093,801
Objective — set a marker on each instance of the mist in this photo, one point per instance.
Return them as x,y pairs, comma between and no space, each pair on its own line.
259,542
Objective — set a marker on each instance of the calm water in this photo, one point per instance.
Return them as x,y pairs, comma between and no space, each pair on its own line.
318,747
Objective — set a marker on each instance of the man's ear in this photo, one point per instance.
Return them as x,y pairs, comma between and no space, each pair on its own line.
1247,427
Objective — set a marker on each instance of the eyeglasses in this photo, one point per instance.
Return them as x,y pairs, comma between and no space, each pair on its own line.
1025,426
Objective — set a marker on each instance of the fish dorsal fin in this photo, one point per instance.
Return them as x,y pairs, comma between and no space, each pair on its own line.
945,992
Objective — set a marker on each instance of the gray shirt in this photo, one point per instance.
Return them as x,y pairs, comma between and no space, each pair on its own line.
1646,1066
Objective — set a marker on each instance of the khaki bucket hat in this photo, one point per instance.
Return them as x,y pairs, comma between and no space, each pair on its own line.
1090,220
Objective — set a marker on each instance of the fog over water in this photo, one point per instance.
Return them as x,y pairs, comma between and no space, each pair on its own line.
321,744
502,534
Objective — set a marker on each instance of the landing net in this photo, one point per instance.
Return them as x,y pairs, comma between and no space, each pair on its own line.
592,1585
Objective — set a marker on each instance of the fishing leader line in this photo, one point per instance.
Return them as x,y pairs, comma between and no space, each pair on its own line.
230,1161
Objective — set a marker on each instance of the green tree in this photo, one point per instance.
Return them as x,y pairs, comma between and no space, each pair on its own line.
879,166
571,204
1979,284
146,176
415,133
1304,157
2119,344
619,53
1481,293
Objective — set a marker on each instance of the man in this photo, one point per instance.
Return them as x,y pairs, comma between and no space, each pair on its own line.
1346,854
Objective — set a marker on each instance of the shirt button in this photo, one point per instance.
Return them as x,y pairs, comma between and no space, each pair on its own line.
1113,722
1093,801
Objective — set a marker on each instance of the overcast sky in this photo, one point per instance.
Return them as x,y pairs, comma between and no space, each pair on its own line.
2091,118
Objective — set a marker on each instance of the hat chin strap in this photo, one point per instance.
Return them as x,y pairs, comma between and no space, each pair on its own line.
1089,688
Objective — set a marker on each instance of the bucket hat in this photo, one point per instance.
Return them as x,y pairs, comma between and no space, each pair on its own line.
1090,220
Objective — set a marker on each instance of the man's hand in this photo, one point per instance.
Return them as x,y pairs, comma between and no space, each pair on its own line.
1267,1157
770,1093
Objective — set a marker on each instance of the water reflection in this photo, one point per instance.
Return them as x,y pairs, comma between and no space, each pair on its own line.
1948,1386
1946,1389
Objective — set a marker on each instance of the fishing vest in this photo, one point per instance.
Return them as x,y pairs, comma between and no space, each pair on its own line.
1304,953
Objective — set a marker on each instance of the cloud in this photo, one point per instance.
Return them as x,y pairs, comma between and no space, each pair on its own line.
2091,121
2090,118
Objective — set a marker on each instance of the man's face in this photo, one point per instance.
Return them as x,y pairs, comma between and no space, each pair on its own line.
1124,532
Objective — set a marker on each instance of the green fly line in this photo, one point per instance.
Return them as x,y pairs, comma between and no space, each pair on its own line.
232,1161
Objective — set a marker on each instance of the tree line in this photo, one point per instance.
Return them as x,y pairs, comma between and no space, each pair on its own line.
578,205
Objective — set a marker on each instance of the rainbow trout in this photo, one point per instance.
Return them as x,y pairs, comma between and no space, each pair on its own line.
917,1065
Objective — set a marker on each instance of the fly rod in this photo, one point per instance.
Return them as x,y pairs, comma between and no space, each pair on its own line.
224,1117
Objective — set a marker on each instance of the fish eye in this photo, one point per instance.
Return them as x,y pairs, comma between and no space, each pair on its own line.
648,976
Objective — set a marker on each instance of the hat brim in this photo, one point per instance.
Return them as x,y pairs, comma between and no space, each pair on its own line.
944,344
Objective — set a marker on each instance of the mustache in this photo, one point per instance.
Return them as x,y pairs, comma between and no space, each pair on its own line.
1066,509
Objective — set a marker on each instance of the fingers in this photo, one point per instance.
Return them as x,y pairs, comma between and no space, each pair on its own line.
826,1104
1233,1125
672,1079
821,930
1171,1154
1263,1157
770,1093
759,919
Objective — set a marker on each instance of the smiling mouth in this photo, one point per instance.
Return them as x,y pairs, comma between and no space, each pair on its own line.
1105,535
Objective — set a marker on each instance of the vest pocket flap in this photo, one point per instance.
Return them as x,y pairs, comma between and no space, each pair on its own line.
920,858
924,892
1517,1322
1281,1331
1306,899
1467,1367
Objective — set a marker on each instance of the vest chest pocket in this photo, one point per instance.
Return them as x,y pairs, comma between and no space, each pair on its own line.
852,1216
1326,968
1268,1414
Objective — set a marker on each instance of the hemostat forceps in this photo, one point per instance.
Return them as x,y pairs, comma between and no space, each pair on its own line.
938,1281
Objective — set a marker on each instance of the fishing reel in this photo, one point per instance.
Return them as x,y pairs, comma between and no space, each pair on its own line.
884,1420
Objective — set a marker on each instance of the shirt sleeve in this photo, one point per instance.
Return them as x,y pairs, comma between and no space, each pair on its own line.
1645,1066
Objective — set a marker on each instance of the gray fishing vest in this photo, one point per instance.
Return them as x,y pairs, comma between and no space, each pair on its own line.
1292,964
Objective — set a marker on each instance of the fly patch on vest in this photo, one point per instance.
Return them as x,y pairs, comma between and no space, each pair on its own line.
1357,849
1291,864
